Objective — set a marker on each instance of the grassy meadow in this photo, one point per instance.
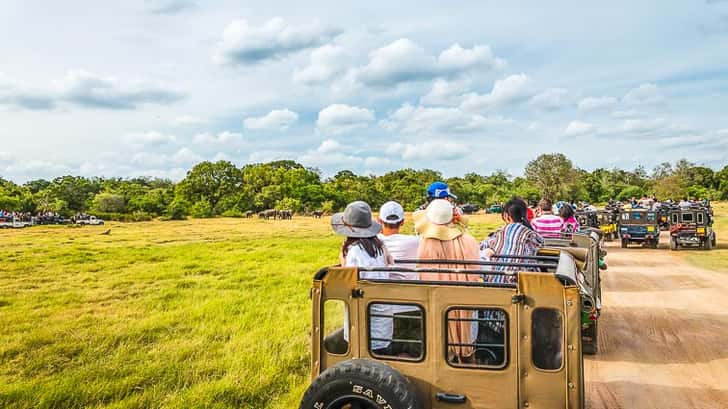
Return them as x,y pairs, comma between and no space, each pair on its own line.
210,313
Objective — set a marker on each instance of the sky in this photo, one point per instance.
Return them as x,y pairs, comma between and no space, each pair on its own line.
151,87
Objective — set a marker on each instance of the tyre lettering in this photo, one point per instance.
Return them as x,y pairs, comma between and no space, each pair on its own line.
368,393
358,389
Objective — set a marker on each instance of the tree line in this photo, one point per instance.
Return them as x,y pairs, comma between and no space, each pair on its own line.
221,188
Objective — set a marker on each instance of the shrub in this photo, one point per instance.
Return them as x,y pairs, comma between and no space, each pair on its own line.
177,210
201,209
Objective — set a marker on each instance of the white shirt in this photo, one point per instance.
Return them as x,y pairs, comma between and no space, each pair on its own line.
402,246
380,327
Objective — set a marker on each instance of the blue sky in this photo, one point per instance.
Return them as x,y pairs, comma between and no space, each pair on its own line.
150,87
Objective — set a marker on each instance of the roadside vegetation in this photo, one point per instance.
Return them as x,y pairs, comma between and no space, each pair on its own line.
220,188
717,258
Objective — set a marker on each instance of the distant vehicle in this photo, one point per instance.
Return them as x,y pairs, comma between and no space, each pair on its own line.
470,208
495,208
639,226
90,220
13,223
692,227
608,223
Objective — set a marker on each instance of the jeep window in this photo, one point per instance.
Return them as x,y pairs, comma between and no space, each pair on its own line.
547,338
651,217
336,327
687,217
476,338
636,216
674,218
396,331
625,216
700,217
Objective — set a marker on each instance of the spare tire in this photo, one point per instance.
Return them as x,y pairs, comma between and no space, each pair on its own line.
360,383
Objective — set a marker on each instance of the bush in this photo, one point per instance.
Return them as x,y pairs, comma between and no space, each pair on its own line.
201,209
125,217
177,210
109,203
233,213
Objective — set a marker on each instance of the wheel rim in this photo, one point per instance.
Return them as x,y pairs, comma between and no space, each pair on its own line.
352,402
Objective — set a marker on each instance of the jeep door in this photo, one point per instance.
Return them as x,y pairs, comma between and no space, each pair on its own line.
549,343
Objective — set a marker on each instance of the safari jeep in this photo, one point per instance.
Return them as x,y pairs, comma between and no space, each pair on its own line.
692,227
608,223
586,249
639,226
421,343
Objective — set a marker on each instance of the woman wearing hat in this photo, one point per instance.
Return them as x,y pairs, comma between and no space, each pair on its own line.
441,238
362,248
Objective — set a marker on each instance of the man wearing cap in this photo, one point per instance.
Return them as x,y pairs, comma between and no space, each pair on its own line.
438,190
400,246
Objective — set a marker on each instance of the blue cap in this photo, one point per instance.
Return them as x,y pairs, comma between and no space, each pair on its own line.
439,190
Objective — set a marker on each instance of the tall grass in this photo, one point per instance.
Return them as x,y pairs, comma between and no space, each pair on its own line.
191,314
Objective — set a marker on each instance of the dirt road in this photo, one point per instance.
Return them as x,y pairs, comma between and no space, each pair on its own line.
663,337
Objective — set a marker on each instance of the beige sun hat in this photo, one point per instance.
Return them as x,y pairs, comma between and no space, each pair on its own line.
436,221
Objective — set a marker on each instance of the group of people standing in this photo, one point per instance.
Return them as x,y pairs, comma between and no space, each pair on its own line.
442,234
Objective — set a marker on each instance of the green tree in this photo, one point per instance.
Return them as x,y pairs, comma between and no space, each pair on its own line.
210,182
553,174
109,203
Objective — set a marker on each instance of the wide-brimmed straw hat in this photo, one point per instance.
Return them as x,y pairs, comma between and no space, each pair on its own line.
436,221
355,221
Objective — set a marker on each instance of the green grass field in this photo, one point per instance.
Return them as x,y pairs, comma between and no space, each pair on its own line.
193,314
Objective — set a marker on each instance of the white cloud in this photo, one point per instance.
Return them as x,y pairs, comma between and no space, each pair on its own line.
222,138
432,121
275,120
94,91
444,92
626,114
329,146
578,128
430,150
87,90
325,63
457,58
645,94
550,100
643,125
151,138
340,118
597,103
17,94
508,90
168,6
191,120
404,61
244,43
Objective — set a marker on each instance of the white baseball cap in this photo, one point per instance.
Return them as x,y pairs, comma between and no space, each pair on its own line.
391,213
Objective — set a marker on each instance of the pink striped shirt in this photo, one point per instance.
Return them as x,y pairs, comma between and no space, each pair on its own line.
547,225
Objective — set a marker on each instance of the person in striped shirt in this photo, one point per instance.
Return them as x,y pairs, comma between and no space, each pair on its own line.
516,239
547,224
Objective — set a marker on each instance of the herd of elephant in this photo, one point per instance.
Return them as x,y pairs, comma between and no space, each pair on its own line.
280,214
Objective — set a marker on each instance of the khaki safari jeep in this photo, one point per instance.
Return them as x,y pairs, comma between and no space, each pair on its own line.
397,338
586,249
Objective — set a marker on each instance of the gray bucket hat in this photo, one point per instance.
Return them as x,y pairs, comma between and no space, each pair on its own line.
355,221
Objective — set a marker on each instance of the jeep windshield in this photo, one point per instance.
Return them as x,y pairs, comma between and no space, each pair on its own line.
638,218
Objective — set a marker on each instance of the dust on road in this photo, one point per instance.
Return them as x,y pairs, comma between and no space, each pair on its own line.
663,335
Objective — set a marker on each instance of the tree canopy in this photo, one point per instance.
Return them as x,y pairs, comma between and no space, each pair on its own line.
221,188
